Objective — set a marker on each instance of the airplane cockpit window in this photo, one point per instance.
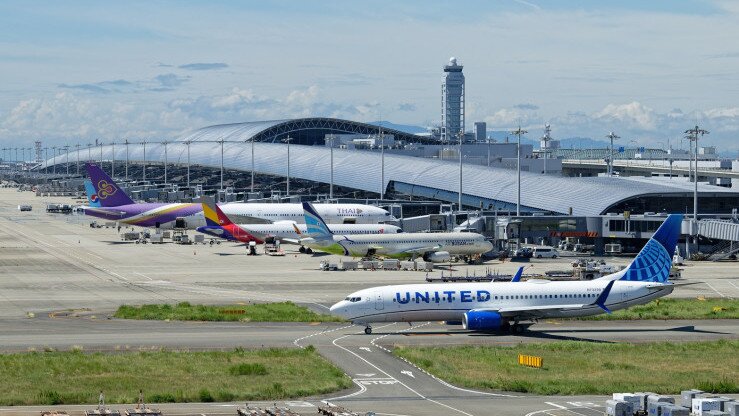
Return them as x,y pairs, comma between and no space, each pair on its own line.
353,299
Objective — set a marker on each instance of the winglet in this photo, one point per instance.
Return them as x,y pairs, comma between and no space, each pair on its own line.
315,225
517,276
601,301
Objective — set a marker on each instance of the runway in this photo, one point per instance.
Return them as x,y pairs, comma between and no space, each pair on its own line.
61,280
384,384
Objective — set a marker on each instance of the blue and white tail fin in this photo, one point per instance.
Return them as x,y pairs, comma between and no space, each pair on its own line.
517,276
654,261
92,197
315,225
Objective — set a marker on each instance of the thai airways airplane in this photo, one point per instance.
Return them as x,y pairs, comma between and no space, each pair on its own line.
115,205
503,305
435,247
219,225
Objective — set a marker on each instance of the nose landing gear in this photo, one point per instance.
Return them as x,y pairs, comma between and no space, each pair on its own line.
368,330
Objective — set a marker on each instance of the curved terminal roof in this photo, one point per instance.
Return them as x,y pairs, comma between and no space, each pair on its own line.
361,170
303,131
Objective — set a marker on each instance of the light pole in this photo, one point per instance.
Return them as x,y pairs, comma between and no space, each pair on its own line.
694,134
144,162
252,165
126,143
165,161
460,134
112,159
331,139
518,132
187,143
382,164
46,152
546,139
287,140
611,136
78,157
54,166
488,140
221,142
101,155
66,153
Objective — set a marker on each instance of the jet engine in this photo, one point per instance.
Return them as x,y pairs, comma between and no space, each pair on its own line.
482,320
437,256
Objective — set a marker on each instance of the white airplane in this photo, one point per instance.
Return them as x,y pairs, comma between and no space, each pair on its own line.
503,305
111,203
218,224
335,213
435,247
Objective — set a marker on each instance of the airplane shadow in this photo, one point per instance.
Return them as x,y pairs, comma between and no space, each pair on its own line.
552,335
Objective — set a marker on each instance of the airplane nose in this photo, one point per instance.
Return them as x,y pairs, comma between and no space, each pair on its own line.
338,309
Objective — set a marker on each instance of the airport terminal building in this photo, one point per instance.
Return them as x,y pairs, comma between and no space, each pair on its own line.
262,147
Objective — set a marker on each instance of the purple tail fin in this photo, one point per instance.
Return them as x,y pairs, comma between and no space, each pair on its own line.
108,192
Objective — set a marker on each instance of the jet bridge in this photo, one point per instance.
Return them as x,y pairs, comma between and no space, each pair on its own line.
726,231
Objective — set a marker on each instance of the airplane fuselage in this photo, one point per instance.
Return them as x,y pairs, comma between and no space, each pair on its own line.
162,215
449,302
404,245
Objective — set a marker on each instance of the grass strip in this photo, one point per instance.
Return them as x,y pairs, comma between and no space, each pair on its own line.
577,367
49,378
676,308
259,312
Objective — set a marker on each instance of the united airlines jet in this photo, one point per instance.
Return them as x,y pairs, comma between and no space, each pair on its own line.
435,247
503,305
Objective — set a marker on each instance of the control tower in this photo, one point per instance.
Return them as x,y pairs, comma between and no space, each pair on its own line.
452,102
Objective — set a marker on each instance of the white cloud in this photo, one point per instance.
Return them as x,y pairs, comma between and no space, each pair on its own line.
631,115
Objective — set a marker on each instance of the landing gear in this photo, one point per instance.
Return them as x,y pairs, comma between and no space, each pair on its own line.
368,330
309,251
302,249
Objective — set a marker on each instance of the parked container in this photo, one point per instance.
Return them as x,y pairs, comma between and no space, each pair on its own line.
632,398
654,401
619,408
687,396
701,405
732,408
674,410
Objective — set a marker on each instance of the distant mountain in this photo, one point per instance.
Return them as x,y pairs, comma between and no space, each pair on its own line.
585,143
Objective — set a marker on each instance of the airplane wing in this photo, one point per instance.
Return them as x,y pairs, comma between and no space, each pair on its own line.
421,250
246,219
105,211
663,285
534,311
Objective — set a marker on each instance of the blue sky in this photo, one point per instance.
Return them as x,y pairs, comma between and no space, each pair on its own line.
77,71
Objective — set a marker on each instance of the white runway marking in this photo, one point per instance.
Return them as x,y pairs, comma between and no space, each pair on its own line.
389,376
